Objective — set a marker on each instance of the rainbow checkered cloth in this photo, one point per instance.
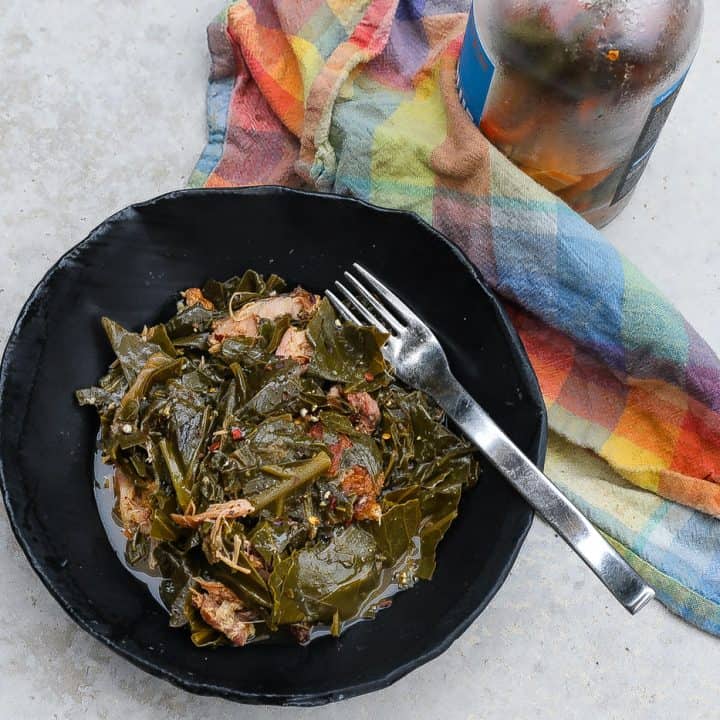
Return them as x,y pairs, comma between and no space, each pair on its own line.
357,97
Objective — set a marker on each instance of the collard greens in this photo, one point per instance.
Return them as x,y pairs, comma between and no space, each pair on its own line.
269,465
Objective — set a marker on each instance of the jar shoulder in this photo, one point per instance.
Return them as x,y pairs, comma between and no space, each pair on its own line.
613,39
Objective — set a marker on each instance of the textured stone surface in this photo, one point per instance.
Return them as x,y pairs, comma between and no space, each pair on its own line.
103,105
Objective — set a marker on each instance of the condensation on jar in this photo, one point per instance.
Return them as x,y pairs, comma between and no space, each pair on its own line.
576,92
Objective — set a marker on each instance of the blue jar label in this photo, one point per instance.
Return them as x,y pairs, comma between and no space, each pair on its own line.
654,124
475,72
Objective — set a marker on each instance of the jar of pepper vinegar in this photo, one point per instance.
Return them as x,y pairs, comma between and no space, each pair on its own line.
576,92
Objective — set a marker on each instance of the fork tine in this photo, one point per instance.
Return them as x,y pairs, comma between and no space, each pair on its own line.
342,308
361,308
389,297
384,313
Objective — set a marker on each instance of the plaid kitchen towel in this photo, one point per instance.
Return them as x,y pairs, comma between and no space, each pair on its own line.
357,97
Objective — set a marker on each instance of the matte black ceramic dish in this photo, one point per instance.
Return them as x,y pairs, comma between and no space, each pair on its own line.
130,268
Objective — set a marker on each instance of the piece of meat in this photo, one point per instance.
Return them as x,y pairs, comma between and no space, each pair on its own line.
306,303
227,327
358,482
133,505
295,344
367,508
301,632
229,510
218,590
334,396
367,411
223,610
299,305
194,296
336,452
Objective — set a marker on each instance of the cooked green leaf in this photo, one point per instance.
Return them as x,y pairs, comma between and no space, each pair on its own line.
318,581
394,535
276,481
131,350
343,352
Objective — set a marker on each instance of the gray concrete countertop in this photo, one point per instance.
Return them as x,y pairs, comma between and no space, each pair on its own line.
103,105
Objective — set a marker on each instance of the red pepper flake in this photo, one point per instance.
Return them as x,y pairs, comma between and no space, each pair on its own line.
237,433
333,503
214,447
316,431
369,377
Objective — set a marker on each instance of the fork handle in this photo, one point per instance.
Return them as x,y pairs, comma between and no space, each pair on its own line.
622,581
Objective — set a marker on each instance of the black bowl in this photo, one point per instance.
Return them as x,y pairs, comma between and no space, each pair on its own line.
130,268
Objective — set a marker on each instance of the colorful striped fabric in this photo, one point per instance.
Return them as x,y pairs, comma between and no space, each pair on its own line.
357,97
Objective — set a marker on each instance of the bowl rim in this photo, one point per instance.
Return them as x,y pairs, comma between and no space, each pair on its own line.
200,687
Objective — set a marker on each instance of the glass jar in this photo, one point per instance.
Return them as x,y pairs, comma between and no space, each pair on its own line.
576,92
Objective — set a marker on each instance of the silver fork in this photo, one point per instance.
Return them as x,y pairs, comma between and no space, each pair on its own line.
420,361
